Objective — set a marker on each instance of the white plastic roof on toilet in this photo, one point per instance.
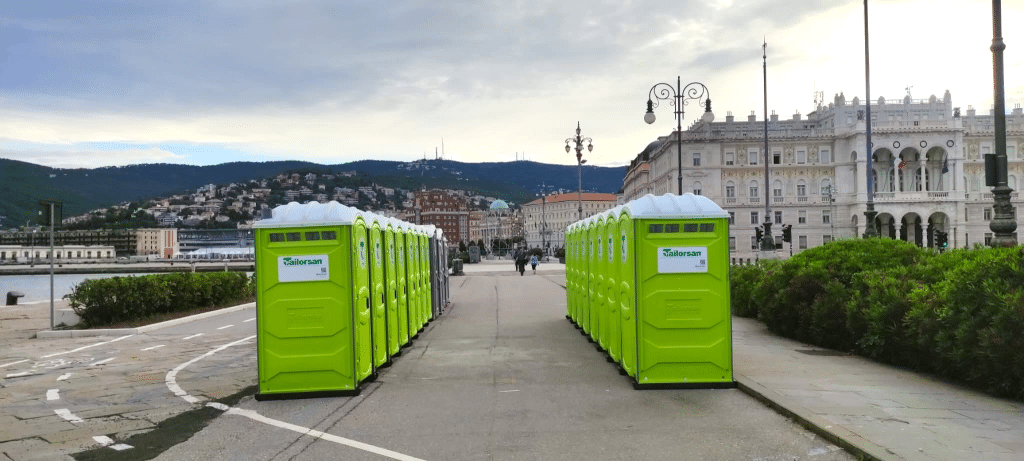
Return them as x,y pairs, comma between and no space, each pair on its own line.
296,214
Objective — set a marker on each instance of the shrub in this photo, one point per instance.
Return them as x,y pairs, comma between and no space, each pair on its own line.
120,299
960,313
742,280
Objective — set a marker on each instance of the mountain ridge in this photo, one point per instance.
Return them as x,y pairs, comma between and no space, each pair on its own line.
23,184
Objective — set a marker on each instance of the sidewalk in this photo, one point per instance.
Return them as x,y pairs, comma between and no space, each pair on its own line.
878,410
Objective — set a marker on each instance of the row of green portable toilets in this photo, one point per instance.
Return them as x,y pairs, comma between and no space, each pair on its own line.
648,283
339,293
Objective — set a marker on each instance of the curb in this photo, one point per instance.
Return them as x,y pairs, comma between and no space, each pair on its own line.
854,444
51,334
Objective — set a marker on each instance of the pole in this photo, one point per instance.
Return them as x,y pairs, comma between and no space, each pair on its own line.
870,213
679,133
52,226
1003,223
579,183
768,242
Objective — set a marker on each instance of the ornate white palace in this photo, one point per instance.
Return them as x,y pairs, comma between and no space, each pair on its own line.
928,170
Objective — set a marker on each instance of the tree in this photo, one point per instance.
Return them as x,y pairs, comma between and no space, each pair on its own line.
462,246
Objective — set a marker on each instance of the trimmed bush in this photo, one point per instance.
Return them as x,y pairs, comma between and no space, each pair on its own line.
120,299
959,314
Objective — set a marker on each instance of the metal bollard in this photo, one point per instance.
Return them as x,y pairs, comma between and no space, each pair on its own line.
12,297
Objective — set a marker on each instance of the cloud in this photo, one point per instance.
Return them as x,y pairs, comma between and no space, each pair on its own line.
78,158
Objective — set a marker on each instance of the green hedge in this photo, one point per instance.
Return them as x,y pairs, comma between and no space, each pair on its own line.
959,314
121,299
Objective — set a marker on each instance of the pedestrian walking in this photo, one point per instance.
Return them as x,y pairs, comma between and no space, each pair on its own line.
533,263
521,262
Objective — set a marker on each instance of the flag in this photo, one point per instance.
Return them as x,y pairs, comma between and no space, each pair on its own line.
902,165
945,165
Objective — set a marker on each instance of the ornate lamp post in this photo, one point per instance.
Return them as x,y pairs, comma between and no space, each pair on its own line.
1003,223
678,97
869,213
578,140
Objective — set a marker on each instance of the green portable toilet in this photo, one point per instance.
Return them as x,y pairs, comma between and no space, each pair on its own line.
412,271
601,272
626,292
424,261
593,280
612,271
569,246
683,324
391,278
306,291
378,292
402,280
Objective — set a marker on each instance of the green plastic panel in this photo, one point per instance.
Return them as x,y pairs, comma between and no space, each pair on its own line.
304,319
684,328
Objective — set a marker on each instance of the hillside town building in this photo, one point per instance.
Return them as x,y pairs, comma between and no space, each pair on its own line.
443,209
927,169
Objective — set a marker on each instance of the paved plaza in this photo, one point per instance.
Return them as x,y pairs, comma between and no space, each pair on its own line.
502,375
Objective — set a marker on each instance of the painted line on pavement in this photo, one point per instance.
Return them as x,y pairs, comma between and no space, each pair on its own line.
109,442
225,326
154,347
64,376
173,386
170,379
68,415
192,336
101,362
18,375
13,363
87,347
247,321
321,435
53,394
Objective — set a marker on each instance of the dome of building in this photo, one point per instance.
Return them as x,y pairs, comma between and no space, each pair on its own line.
499,205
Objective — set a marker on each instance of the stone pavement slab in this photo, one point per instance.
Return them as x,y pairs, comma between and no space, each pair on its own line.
883,411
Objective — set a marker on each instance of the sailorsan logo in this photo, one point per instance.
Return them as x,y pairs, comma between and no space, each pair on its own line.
287,261
669,253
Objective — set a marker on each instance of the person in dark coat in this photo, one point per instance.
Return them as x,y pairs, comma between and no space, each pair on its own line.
521,262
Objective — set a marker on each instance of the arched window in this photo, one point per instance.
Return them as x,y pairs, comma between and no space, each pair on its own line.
754,193
801,188
826,185
730,190
777,189
697,187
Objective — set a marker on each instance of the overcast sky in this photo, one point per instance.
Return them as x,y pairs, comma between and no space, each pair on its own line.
99,83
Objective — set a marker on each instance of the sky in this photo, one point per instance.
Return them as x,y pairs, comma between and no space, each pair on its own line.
85,84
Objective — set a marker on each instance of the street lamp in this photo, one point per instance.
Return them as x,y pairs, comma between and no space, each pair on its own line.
677,97
1003,223
578,140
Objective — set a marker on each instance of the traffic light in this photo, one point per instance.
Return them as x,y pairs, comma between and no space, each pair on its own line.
941,239
787,233
758,233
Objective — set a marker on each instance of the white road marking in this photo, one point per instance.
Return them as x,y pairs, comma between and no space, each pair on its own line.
13,363
173,386
68,415
87,347
15,375
170,379
109,442
225,326
53,394
154,347
247,321
513,390
64,376
101,362
193,336
320,435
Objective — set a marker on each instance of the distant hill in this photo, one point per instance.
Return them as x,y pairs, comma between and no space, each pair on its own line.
23,184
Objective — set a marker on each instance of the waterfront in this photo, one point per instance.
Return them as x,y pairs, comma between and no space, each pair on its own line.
37,287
